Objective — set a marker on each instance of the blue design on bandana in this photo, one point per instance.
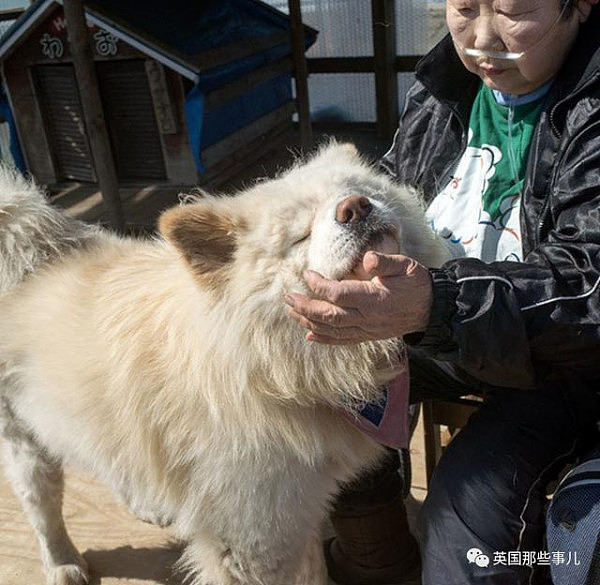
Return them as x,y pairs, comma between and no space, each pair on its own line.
374,411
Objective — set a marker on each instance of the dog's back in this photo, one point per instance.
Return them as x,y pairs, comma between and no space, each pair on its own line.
32,232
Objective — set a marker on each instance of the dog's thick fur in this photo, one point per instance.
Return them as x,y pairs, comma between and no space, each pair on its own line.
169,369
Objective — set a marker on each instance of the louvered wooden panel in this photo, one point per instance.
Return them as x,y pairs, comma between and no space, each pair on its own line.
130,117
59,102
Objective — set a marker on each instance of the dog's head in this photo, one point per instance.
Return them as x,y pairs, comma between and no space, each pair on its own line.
248,251
322,215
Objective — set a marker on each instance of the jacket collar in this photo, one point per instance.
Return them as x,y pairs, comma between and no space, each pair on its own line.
443,74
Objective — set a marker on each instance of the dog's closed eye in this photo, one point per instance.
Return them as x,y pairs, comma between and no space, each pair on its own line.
301,238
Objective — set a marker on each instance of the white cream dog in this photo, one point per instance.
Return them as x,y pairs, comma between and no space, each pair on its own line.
169,370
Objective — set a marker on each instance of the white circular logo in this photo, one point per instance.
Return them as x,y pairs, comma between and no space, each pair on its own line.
475,555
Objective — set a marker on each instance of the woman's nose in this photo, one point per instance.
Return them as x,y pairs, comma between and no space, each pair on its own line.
486,34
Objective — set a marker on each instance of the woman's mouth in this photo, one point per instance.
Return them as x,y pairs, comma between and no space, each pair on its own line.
491,71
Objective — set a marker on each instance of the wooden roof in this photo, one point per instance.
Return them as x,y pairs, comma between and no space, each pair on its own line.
188,37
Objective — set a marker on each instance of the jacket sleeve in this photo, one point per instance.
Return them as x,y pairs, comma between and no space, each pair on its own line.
514,323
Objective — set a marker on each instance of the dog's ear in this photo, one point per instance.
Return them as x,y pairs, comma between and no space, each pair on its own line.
337,152
205,238
350,150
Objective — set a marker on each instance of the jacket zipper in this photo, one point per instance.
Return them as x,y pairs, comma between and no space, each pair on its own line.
544,211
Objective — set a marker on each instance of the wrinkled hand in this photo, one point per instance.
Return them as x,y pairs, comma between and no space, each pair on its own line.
396,301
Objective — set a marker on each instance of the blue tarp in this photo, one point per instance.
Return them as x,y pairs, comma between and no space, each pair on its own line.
254,104
15,147
244,20
192,28
207,127
194,114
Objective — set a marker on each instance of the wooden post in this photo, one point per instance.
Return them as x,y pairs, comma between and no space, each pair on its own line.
431,439
384,51
93,114
300,73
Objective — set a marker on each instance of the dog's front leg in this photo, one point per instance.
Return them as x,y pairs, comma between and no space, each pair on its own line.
38,483
210,561
156,517
312,569
206,560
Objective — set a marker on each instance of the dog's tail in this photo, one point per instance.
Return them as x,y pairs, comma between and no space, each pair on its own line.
32,232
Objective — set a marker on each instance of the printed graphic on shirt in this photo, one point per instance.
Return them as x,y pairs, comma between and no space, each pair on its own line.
457,213
477,213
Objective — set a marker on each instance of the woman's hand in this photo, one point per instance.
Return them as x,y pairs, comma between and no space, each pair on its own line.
394,302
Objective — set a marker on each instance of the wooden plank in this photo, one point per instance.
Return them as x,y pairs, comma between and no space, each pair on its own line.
118,548
247,155
431,440
341,65
402,64
300,73
239,50
277,13
10,13
384,50
179,160
241,86
406,64
163,104
81,51
214,154
452,414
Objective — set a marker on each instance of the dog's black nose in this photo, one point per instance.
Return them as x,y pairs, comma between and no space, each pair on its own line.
353,209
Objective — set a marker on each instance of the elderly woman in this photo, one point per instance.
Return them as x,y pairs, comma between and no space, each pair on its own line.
501,132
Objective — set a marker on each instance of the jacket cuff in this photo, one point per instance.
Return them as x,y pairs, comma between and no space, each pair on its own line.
438,339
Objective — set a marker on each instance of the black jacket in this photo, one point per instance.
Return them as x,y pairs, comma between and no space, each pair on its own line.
517,324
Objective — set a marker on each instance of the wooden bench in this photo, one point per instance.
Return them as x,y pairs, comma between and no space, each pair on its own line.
452,414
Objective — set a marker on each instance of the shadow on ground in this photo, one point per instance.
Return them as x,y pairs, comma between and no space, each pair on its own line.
156,564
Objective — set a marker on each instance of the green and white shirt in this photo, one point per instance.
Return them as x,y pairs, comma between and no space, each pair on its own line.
477,213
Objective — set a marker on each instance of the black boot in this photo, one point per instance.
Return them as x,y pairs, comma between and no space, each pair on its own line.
373,543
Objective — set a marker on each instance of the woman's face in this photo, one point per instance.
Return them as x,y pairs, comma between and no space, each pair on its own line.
534,27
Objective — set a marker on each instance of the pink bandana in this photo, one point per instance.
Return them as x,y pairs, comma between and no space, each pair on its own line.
387,421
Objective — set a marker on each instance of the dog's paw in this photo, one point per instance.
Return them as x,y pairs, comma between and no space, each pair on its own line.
155,519
142,513
68,575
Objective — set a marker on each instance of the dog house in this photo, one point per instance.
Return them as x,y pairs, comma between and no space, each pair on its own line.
190,90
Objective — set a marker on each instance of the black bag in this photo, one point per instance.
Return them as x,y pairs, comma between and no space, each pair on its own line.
573,526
